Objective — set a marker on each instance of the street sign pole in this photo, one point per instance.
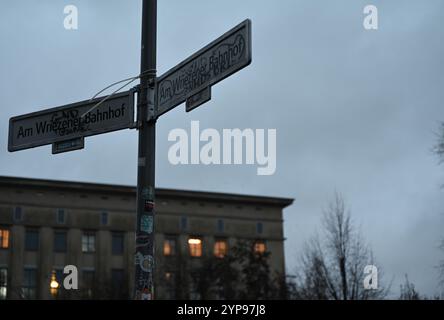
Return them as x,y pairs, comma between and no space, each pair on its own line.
144,258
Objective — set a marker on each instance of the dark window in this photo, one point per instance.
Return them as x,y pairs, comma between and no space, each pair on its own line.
4,238
18,214
60,216
183,223
220,225
259,228
60,241
118,284
32,240
3,283
117,243
170,285
88,284
88,242
104,218
29,287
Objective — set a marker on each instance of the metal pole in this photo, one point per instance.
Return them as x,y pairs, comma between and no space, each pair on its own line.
144,258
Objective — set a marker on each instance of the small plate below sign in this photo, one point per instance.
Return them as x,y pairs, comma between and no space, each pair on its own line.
68,145
198,99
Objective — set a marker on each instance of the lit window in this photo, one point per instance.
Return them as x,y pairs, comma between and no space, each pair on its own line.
169,247
88,242
259,247
31,240
220,248
3,283
4,238
195,245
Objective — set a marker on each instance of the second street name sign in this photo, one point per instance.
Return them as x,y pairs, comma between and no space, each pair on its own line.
194,76
70,121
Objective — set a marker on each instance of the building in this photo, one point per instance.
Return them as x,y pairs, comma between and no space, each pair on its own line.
46,225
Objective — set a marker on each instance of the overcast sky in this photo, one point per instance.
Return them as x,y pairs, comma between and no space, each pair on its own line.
356,111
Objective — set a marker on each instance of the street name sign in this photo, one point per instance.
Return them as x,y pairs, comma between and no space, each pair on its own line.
72,121
191,80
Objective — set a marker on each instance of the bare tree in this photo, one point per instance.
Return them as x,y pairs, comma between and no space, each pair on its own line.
408,291
332,266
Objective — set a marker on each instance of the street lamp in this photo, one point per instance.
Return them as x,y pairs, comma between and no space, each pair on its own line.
54,285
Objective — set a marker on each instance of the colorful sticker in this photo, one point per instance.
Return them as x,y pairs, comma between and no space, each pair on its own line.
148,193
146,223
146,263
148,206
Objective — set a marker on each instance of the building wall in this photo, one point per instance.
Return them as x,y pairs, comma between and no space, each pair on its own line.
83,204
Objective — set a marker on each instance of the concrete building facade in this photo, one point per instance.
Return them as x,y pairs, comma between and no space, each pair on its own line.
46,225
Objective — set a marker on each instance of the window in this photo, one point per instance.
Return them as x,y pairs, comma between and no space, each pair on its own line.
259,228
220,225
220,248
32,240
170,285
60,216
195,245
88,283
259,247
88,242
118,283
4,238
60,241
117,243
18,216
169,246
3,283
29,287
104,218
183,223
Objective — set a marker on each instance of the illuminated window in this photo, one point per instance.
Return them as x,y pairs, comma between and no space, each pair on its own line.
195,245
88,242
259,247
220,248
3,283
4,238
169,246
